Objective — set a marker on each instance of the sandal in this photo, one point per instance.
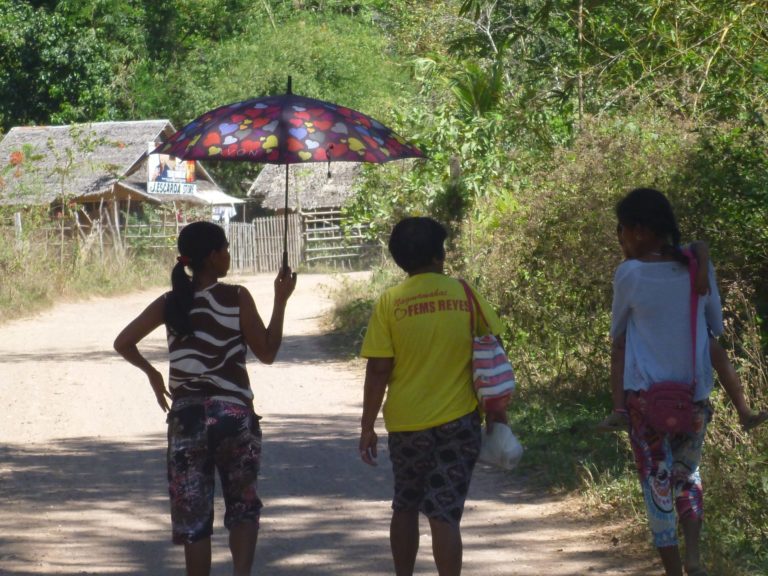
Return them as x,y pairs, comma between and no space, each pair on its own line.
754,420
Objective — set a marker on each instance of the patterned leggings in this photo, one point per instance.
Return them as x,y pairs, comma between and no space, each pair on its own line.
668,466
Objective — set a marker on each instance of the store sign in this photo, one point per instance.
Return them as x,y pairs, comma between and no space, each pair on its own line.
169,175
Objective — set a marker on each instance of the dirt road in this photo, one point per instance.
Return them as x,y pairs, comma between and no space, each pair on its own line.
82,477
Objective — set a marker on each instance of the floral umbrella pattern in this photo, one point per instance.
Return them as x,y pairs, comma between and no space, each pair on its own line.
287,129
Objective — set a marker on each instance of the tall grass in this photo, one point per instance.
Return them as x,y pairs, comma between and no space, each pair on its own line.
34,276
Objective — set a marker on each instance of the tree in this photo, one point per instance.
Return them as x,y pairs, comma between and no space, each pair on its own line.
50,71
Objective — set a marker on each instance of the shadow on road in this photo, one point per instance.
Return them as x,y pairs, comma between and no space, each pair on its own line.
325,512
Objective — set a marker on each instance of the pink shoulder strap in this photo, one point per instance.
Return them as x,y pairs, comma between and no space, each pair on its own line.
473,305
693,267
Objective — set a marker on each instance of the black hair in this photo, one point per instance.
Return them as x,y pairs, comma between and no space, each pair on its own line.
650,208
416,242
196,242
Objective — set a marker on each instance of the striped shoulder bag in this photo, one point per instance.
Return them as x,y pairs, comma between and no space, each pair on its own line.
492,374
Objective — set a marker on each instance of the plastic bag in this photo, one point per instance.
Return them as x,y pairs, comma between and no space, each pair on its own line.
500,448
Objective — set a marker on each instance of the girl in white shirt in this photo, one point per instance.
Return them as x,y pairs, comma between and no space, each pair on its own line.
651,330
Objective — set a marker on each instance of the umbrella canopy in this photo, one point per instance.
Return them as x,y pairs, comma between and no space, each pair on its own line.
287,129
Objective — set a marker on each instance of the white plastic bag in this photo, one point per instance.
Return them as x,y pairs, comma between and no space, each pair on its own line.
500,448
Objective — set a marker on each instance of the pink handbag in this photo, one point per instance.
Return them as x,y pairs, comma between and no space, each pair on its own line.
669,405
492,375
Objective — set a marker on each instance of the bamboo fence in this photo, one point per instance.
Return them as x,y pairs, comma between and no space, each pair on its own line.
258,246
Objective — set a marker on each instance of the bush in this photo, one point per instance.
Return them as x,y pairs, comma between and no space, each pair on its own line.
353,303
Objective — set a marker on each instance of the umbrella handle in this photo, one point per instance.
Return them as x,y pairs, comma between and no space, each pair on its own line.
285,213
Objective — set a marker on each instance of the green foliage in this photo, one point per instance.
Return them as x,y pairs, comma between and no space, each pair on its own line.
316,53
725,179
696,58
175,28
51,70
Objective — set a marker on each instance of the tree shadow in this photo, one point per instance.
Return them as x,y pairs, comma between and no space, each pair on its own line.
85,488
327,347
295,349
325,511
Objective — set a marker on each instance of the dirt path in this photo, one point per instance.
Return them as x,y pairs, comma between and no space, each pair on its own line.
82,485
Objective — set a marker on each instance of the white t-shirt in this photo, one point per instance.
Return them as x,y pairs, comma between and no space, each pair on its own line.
651,304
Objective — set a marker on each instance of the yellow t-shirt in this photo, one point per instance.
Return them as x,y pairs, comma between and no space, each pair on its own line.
423,323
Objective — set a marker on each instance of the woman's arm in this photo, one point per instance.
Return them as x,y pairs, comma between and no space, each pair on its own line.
618,350
265,341
125,345
377,373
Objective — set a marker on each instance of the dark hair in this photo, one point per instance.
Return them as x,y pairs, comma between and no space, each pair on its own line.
196,242
416,242
650,208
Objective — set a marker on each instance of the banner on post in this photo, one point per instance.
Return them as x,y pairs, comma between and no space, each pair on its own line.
169,175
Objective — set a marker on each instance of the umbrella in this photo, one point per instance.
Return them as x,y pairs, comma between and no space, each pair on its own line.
287,129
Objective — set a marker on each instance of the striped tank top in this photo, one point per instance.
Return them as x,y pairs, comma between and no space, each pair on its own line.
211,360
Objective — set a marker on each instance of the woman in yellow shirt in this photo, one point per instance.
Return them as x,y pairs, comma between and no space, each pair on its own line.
419,350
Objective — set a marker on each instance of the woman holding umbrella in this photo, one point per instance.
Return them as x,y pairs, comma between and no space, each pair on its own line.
211,422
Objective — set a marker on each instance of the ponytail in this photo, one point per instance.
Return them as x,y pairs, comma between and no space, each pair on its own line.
179,302
196,242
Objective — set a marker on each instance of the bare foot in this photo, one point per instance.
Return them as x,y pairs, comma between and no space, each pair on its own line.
753,420
614,422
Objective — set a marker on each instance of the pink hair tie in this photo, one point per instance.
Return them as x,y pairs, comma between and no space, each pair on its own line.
183,260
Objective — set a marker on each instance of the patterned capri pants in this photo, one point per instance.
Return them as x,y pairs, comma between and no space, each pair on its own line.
668,466
205,435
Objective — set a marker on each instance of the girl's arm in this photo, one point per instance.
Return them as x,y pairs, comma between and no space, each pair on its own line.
700,249
125,344
618,350
265,341
617,420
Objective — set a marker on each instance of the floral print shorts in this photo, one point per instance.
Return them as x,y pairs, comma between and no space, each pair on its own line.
205,435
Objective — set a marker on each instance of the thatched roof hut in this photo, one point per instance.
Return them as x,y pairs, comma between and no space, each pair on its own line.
83,163
309,186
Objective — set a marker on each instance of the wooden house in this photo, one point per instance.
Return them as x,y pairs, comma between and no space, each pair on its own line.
98,166
312,187
317,193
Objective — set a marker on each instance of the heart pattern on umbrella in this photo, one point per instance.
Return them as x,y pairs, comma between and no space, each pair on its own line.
287,129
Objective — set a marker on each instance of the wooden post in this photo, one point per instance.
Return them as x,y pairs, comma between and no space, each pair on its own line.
17,228
127,215
116,215
101,230
61,239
